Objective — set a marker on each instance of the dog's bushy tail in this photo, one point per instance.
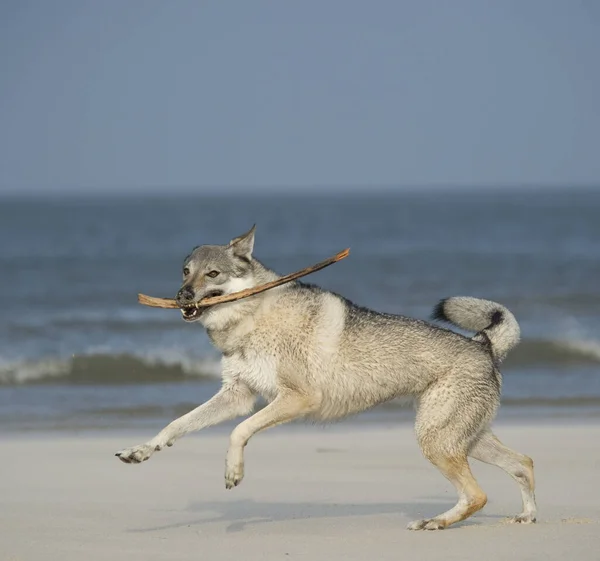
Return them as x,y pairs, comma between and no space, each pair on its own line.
488,319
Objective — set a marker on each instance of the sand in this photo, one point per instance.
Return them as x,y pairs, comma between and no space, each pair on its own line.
343,492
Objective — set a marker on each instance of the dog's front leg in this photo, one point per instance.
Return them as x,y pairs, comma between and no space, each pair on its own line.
284,408
233,400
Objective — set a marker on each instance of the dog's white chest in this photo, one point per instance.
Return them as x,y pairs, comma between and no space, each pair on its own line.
257,371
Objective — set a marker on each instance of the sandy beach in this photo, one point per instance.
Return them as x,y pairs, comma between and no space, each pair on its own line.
342,492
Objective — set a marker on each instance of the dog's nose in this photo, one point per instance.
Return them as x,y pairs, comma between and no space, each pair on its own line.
185,294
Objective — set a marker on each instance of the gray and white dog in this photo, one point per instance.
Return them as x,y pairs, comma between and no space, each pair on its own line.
313,354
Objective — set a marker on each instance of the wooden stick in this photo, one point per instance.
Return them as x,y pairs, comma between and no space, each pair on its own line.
170,303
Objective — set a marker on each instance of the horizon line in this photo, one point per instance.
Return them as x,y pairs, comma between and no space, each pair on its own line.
289,189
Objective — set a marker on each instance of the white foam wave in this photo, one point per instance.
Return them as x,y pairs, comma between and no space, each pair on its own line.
102,366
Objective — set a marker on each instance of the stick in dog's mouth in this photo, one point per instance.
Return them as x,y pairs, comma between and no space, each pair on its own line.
194,311
222,298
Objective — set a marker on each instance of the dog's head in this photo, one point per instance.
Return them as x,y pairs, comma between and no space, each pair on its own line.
214,270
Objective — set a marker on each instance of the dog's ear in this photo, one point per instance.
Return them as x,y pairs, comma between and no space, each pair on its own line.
243,245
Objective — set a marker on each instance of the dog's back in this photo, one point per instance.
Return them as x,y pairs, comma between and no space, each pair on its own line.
350,358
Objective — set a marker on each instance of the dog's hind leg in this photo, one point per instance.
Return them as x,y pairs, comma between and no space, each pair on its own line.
471,497
450,416
490,450
286,407
233,400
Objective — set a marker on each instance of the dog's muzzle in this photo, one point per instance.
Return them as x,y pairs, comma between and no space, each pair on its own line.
191,311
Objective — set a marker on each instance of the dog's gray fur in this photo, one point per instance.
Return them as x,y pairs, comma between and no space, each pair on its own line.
313,354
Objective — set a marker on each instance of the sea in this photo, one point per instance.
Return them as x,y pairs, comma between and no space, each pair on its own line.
77,352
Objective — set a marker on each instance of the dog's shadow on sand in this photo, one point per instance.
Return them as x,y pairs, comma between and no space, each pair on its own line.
240,514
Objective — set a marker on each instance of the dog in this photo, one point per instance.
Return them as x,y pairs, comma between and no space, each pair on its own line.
313,354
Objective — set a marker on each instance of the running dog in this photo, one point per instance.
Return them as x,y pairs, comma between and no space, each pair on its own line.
314,354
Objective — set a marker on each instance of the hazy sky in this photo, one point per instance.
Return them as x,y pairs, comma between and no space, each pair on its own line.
130,93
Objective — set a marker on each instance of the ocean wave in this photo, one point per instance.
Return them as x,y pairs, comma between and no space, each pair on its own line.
557,353
169,365
109,369
122,320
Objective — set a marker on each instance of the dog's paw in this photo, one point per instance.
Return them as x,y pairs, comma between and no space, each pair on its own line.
234,473
426,524
523,518
136,454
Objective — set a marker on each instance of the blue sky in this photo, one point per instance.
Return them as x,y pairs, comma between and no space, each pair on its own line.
141,95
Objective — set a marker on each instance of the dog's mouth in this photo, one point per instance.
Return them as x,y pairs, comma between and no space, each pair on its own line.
193,312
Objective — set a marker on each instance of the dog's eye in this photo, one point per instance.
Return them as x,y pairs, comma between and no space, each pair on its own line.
213,274
186,272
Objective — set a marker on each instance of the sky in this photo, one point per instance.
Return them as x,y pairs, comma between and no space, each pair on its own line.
146,95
